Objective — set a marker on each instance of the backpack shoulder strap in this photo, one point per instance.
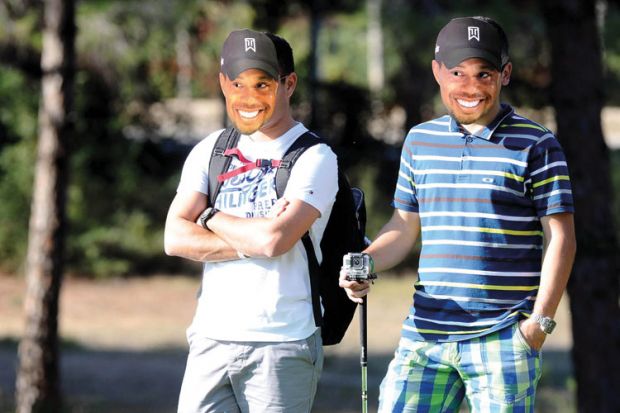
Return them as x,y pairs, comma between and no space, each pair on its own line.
219,163
305,141
314,270
283,173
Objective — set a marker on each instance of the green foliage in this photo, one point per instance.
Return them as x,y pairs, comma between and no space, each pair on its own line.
137,42
122,248
342,47
119,192
120,188
209,26
19,104
17,155
15,181
23,26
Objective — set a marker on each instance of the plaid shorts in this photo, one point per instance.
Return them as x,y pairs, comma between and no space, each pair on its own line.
495,373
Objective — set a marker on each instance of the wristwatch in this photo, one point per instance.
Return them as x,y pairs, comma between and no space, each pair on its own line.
206,215
546,323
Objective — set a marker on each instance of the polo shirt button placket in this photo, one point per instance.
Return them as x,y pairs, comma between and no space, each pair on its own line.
466,152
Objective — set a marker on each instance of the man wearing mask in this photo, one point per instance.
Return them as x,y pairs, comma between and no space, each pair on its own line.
254,345
488,193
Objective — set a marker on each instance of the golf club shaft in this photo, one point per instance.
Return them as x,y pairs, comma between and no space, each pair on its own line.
364,354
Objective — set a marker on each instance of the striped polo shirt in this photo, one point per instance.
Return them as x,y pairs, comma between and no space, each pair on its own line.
480,199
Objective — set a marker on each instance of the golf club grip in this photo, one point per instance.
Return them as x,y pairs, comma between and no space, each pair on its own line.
363,329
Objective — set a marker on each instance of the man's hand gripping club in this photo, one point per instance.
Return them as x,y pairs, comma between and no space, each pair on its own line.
356,275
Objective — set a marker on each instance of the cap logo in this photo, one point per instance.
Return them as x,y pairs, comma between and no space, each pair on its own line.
473,32
250,44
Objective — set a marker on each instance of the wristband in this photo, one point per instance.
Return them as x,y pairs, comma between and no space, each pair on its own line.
372,263
206,216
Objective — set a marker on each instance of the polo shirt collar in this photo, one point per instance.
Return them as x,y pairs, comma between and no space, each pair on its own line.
485,133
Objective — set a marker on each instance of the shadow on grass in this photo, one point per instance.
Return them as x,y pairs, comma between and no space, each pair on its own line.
102,381
119,381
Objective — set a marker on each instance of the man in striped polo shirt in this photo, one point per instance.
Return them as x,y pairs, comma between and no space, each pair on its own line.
488,193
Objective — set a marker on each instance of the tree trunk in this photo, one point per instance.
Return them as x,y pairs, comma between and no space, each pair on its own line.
374,45
577,93
37,384
313,62
184,64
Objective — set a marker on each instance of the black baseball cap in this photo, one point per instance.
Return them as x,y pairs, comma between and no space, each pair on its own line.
247,49
466,37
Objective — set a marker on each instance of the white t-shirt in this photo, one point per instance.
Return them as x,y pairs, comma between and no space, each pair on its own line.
262,299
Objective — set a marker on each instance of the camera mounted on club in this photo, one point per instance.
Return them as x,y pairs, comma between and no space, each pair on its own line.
358,266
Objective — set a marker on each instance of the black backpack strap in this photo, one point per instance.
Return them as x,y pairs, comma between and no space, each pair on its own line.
219,162
314,271
293,153
283,174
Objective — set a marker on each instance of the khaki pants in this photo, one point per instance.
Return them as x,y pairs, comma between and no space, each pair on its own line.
227,376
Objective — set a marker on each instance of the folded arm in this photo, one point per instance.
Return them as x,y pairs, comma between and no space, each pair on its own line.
265,237
184,238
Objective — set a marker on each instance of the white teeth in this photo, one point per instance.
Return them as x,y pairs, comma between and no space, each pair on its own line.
467,103
248,115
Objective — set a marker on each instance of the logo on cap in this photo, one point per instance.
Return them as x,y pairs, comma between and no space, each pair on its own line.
250,44
473,32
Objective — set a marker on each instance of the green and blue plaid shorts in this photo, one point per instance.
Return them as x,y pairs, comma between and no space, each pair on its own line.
495,373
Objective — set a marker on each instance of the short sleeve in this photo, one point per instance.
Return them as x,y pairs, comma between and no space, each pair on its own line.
314,178
550,185
405,194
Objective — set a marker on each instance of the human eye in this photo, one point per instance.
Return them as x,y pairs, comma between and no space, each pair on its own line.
265,87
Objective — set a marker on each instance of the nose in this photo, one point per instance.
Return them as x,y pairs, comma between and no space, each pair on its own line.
247,92
470,85
248,95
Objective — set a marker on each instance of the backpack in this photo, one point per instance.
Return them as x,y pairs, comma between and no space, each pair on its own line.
345,230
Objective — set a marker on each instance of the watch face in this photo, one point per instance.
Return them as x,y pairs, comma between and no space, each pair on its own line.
547,325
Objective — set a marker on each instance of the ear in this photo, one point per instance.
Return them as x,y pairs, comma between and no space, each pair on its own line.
436,69
290,83
506,72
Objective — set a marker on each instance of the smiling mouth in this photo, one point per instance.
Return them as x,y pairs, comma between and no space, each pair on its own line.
468,103
247,114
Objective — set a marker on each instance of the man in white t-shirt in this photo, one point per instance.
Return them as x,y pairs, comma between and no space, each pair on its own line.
254,345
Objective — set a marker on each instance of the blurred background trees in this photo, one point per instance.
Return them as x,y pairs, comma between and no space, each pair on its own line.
146,90
578,93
